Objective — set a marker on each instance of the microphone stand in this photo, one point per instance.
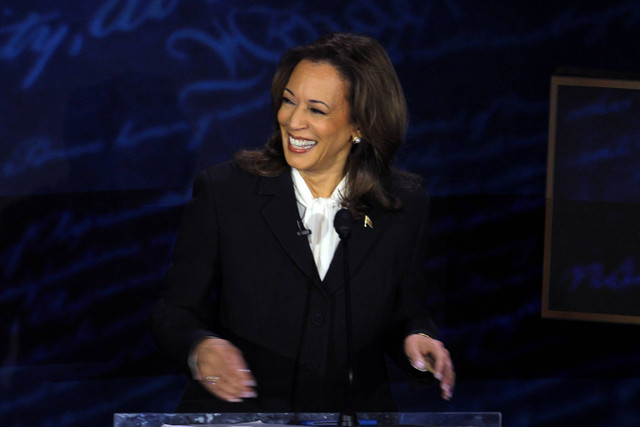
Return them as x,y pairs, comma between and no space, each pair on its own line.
342,223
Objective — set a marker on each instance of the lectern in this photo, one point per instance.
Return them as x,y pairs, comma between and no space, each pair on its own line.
430,419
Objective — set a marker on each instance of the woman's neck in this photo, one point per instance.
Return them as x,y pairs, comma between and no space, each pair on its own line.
321,185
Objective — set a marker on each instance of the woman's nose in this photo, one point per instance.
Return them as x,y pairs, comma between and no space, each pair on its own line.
297,119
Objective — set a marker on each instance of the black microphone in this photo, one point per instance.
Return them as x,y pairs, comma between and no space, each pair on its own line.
302,231
343,222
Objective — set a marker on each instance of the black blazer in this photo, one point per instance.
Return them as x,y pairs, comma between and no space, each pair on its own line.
241,271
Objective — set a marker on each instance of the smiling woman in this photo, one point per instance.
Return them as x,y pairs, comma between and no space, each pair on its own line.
376,105
315,123
255,303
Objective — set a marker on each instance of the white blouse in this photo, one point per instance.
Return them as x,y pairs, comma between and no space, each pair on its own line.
317,215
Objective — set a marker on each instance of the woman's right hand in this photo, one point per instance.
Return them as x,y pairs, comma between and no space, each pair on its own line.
223,371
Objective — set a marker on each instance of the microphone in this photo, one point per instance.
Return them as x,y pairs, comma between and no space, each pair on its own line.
302,231
343,222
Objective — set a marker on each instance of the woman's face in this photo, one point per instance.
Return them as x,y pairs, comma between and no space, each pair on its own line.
315,120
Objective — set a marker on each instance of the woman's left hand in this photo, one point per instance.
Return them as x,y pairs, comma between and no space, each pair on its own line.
428,354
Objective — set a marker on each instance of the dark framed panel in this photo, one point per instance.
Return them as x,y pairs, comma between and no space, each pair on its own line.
592,230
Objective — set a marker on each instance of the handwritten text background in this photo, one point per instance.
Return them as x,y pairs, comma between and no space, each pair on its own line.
109,108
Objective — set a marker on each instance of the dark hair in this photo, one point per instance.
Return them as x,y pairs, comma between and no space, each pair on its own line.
378,109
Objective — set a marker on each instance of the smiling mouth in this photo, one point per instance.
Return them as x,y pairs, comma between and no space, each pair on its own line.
300,145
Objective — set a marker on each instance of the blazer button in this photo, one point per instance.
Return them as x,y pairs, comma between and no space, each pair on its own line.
317,320
312,365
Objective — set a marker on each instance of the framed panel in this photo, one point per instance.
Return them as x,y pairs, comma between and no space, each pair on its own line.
592,230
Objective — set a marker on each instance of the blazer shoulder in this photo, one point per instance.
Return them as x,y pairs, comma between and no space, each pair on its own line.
408,188
225,171
229,178
227,175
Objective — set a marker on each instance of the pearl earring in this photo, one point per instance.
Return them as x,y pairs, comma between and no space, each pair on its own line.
356,140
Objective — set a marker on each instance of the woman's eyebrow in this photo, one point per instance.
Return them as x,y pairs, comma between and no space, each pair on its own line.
311,101
314,101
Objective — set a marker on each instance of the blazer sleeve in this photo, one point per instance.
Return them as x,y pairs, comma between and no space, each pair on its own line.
411,314
181,318
415,284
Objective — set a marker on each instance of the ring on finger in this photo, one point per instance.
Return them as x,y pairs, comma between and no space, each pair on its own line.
212,379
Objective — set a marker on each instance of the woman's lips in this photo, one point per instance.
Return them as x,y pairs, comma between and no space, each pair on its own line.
300,145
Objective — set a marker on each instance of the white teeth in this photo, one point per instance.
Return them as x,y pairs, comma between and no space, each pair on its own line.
301,143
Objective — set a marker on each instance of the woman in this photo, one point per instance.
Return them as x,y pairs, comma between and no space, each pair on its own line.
255,295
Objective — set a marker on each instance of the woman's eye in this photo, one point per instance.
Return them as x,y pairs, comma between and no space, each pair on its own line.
286,100
316,111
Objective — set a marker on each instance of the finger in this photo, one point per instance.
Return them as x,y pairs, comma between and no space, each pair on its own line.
246,378
238,386
239,369
229,377
238,382
419,364
430,363
447,380
214,385
230,390
414,353
426,353
223,391
441,361
244,384
447,385
238,376
447,389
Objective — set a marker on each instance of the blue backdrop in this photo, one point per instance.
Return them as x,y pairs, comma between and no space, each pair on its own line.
108,108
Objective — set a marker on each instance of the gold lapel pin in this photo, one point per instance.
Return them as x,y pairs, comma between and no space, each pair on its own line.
368,222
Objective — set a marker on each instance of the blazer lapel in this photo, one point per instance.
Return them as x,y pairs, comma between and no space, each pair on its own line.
363,239
281,214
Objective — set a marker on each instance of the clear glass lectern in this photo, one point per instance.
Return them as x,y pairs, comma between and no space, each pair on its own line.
425,419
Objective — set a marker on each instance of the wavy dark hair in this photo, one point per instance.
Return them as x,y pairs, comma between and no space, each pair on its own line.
378,109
